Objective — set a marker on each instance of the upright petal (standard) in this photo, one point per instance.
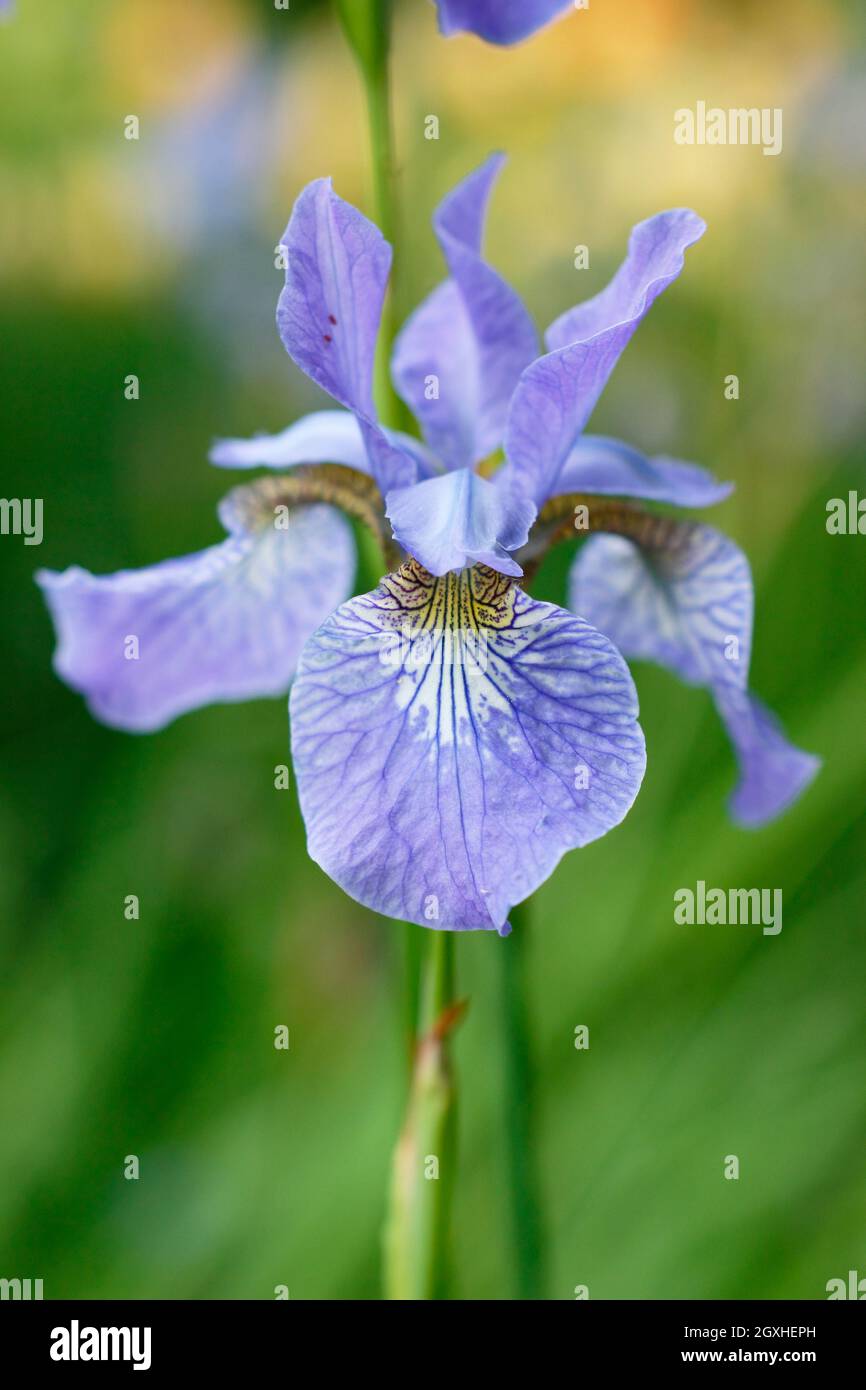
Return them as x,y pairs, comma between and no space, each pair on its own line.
470,340
558,393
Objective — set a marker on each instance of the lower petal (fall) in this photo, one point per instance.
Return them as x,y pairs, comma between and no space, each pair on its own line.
228,623
452,738
773,772
686,603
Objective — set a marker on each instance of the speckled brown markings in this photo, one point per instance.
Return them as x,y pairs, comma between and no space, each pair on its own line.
468,600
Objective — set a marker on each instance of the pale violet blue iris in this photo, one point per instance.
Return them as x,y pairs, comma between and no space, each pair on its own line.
441,783
499,21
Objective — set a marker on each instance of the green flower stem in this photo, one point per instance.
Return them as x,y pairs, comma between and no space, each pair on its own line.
367,25
415,1235
521,1109
415,1239
413,950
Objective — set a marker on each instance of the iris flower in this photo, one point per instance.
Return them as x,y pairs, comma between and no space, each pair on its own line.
498,21
452,736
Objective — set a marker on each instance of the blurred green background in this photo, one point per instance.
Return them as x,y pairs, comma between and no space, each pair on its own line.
155,1037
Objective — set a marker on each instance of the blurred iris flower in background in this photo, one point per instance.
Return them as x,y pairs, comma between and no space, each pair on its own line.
498,21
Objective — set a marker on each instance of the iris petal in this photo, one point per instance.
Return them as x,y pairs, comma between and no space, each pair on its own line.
459,357
327,436
337,266
686,603
773,772
458,520
498,21
608,467
558,393
452,738
225,624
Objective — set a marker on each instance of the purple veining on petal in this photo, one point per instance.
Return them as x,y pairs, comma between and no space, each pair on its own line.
558,393
459,357
608,467
452,738
225,624
689,607
498,21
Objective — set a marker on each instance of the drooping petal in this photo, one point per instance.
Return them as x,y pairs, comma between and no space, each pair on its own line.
773,772
459,520
225,624
337,266
686,603
558,392
459,357
452,738
498,21
608,467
